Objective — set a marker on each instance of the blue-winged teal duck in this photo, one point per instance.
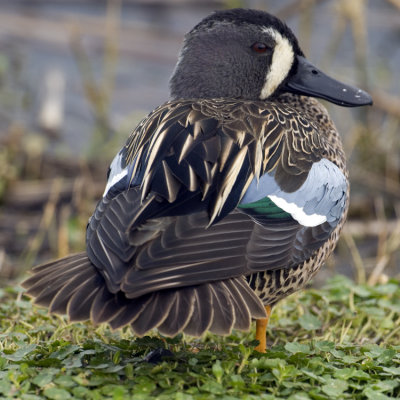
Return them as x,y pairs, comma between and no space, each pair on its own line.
224,200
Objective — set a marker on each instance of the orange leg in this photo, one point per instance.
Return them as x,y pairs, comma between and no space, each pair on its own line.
261,331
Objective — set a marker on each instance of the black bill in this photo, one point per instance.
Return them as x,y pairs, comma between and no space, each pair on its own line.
310,81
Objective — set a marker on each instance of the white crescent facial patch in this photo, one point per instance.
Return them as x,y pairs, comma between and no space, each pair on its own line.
282,61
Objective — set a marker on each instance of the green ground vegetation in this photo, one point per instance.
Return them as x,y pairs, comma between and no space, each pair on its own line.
338,342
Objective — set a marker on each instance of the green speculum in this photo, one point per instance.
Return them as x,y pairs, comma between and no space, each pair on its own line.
266,207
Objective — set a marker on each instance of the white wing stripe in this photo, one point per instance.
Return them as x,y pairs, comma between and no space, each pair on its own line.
321,198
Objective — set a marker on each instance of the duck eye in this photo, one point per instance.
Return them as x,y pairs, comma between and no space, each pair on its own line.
259,47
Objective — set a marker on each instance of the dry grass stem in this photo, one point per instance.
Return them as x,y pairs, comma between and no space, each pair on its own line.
357,259
47,220
392,246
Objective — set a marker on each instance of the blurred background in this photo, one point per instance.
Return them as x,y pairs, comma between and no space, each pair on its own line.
76,76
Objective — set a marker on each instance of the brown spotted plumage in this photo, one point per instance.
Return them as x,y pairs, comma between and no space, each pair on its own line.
223,201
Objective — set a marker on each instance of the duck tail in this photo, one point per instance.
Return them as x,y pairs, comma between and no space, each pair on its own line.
66,286
74,286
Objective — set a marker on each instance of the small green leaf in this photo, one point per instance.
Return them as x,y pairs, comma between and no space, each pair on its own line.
392,370
43,379
386,385
324,345
375,395
347,373
309,322
81,392
183,396
386,289
374,351
28,396
268,363
21,353
5,387
386,356
362,291
237,381
296,347
335,387
117,357
212,387
64,351
57,394
65,381
3,362
217,371
300,396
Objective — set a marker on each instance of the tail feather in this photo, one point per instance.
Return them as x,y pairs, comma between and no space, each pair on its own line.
242,312
65,263
45,297
252,301
59,302
104,305
224,314
131,311
155,312
73,285
56,273
179,314
203,313
81,302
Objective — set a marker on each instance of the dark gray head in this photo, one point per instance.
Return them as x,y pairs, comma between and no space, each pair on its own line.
235,53
250,54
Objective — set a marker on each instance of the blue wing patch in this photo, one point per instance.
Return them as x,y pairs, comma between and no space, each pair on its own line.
321,198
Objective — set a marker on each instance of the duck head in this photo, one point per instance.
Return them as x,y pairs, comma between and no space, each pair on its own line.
250,54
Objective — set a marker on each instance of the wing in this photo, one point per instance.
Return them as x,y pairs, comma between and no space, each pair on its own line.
168,218
294,225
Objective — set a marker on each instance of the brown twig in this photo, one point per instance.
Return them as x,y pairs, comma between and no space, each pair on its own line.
62,234
393,245
357,259
47,219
